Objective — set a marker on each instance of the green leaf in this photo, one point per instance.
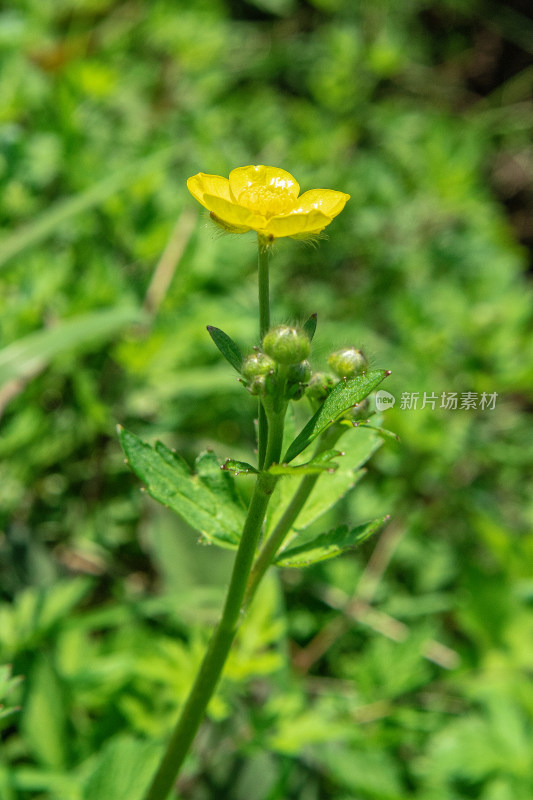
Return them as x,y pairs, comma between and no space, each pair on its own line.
206,500
328,545
382,431
44,716
124,771
321,463
310,326
358,446
227,347
238,467
345,395
31,354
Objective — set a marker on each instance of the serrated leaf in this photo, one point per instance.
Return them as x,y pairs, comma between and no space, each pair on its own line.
310,326
229,506
328,545
344,396
227,347
206,500
321,463
238,467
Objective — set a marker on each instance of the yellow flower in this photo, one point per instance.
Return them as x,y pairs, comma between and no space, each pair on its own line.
266,200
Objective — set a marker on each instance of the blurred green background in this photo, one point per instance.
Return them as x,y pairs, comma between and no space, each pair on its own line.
403,670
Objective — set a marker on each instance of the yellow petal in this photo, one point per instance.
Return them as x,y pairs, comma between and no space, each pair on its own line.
294,224
328,201
202,184
268,177
233,214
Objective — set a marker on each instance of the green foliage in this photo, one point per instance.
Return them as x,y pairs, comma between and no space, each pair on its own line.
343,397
105,110
227,347
207,500
328,545
7,684
358,447
124,770
34,352
322,462
239,467
35,614
44,723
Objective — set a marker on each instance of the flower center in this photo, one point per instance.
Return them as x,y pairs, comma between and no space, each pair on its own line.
266,200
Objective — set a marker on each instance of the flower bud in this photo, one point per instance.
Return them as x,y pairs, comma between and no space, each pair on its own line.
299,373
287,345
258,385
256,364
296,391
348,363
320,386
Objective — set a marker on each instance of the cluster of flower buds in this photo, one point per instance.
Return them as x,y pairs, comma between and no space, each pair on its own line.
281,368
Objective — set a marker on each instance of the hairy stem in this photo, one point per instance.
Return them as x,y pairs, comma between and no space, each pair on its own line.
264,294
192,714
216,655
275,540
264,325
223,635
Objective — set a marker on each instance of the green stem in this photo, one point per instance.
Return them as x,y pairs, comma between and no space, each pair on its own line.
264,325
275,437
224,634
288,518
275,540
264,295
216,655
